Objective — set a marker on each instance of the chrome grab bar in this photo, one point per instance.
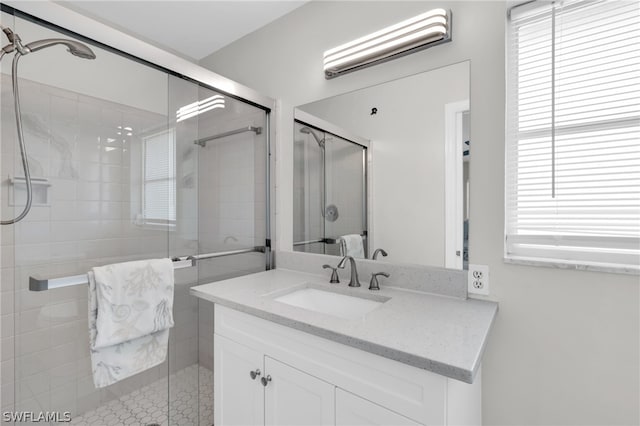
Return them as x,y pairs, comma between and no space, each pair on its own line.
42,284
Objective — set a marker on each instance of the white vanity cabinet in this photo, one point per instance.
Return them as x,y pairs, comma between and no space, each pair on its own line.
353,410
294,398
302,379
239,400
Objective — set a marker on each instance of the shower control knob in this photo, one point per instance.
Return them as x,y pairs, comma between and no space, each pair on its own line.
254,373
265,380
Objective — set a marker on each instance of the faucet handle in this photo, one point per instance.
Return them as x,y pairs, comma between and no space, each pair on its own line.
374,285
335,279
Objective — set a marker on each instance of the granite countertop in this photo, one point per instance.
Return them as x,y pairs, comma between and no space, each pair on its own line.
441,334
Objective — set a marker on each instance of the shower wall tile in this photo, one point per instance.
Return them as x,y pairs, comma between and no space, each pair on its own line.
7,370
7,256
6,304
7,235
7,393
64,376
89,191
63,189
25,300
29,320
33,341
6,325
7,348
64,211
33,363
34,384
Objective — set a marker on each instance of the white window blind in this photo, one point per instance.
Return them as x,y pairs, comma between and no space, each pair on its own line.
159,186
573,134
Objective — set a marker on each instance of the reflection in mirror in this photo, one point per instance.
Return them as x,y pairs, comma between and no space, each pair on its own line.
416,188
329,189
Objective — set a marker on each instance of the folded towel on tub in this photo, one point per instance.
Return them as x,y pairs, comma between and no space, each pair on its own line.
130,313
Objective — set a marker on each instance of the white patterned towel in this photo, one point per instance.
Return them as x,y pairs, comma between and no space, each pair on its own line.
130,313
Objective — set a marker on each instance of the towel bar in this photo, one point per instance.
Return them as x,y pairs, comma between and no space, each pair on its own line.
42,284
323,240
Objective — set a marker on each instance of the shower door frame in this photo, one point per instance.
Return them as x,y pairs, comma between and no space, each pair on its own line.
67,21
303,117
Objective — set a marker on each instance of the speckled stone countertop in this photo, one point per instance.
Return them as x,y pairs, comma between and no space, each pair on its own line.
441,334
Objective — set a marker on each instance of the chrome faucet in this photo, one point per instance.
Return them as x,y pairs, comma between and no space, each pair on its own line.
381,251
354,272
374,284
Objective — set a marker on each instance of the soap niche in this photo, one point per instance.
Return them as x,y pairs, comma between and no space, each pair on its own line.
39,189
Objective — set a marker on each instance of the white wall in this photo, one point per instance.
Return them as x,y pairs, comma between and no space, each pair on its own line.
108,76
408,143
565,348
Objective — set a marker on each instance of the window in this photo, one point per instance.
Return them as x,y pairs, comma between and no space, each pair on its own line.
159,179
573,134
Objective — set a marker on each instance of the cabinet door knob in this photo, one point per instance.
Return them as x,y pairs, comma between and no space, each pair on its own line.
255,373
265,380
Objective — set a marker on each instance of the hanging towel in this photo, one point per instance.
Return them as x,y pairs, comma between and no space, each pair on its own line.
352,245
130,313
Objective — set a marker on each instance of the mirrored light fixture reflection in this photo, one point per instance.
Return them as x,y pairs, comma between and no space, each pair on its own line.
193,109
422,31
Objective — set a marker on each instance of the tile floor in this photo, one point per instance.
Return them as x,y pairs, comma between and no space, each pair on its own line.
148,405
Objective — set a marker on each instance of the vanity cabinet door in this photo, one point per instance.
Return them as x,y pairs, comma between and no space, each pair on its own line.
351,410
296,398
239,398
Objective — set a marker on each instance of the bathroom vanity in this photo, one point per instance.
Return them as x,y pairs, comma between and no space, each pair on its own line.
290,348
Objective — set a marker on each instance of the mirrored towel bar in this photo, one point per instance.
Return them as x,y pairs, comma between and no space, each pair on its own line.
42,284
324,240
203,142
320,240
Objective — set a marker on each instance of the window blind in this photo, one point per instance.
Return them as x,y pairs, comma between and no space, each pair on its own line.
159,186
573,133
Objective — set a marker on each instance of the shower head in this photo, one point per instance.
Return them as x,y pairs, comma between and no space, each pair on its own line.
75,48
314,133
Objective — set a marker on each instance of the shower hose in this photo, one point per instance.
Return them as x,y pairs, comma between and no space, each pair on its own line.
23,148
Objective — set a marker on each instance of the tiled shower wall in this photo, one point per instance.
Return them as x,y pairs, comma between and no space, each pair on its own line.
81,145
74,142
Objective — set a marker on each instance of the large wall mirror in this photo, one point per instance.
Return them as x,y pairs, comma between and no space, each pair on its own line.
386,167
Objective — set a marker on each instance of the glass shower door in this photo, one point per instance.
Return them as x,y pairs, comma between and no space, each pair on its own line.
99,201
345,204
329,190
221,194
122,173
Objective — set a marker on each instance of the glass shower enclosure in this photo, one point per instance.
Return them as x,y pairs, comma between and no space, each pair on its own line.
129,161
330,189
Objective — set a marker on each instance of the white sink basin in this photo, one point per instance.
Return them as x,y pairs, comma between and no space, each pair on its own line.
330,303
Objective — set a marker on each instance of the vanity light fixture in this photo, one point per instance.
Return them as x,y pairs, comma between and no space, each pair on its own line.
422,31
191,110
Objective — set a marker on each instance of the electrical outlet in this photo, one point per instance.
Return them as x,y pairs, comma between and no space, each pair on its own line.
478,280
